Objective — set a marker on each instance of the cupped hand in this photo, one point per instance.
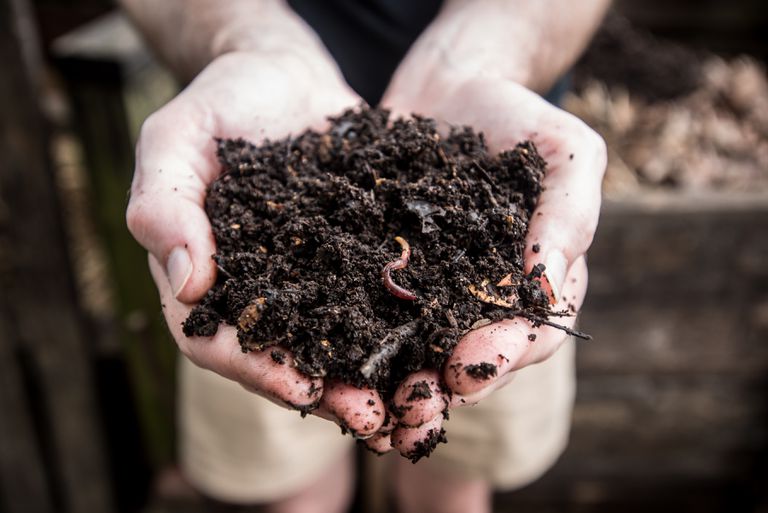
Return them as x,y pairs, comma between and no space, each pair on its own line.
247,95
561,231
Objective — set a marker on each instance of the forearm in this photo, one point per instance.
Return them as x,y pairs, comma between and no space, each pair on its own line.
188,34
528,42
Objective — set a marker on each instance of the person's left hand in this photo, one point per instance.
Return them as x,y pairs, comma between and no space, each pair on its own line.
562,225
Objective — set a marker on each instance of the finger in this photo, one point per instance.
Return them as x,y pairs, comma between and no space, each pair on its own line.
564,222
414,442
258,371
174,163
474,398
419,398
380,443
485,355
390,423
276,378
360,410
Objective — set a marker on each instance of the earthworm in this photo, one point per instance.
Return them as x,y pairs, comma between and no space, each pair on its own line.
394,265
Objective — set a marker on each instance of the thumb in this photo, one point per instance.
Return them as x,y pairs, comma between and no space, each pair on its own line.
174,164
564,223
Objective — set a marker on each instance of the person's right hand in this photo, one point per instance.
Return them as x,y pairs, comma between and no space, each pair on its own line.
247,95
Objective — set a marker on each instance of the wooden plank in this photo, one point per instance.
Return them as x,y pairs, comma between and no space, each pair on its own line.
23,481
667,428
98,64
670,411
38,292
671,249
581,495
689,338
646,442
108,38
679,284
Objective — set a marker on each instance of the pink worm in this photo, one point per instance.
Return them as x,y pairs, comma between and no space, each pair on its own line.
394,265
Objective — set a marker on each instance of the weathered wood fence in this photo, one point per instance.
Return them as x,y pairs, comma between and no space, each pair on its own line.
51,444
671,410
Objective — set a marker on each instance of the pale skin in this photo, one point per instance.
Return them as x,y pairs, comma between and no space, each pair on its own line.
260,72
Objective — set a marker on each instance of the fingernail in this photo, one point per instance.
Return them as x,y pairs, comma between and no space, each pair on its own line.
556,267
179,269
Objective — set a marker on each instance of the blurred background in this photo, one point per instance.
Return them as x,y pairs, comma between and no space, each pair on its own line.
672,407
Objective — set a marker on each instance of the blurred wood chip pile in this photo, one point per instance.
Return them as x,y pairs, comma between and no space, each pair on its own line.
673,117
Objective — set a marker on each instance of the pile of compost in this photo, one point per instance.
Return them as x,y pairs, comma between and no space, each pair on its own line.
673,117
370,249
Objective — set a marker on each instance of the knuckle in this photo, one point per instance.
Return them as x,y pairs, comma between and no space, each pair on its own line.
574,228
136,218
153,124
142,220
580,137
592,139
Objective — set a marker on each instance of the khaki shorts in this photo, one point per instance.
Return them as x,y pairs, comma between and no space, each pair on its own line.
238,447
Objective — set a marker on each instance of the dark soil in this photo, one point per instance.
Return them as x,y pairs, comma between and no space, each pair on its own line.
481,371
419,390
278,357
313,233
424,448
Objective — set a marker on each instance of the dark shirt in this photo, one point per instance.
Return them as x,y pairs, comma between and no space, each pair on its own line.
367,38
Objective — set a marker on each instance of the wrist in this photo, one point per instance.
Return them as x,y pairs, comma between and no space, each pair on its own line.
277,73
509,41
202,31
272,30
435,71
433,92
